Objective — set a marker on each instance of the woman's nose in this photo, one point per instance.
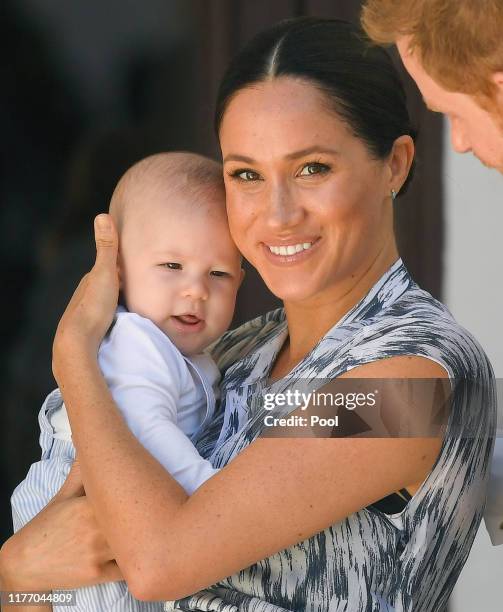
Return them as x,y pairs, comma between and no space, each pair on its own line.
284,210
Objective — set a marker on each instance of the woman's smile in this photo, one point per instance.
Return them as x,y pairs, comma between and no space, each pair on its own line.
291,252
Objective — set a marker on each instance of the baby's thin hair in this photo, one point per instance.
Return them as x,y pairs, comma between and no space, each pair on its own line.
197,176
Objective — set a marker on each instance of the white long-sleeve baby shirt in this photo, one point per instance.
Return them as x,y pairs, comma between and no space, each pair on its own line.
165,397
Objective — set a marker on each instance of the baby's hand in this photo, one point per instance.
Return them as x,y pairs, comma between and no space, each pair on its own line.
91,309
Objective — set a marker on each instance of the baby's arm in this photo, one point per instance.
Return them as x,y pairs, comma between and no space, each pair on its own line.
45,477
147,376
43,480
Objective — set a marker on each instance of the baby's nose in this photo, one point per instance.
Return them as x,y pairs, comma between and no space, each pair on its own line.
196,289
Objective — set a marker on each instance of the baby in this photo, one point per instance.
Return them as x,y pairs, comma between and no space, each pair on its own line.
179,274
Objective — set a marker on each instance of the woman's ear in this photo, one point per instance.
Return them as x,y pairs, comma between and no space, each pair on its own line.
400,161
242,277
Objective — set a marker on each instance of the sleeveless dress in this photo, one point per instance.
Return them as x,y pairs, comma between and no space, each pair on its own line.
370,561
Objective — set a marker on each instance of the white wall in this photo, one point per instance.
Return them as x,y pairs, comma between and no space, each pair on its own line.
473,291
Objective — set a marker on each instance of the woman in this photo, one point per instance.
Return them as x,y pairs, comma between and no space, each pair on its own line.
316,143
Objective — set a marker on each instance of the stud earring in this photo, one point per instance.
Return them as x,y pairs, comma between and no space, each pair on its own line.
393,195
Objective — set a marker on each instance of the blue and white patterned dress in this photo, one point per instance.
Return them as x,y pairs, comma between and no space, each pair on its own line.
370,561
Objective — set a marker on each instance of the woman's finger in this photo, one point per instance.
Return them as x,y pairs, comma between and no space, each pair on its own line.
105,236
91,309
103,282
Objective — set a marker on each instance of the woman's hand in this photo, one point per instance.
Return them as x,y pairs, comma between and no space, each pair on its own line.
91,309
62,547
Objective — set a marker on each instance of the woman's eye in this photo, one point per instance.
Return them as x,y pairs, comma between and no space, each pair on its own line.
172,265
314,168
219,273
246,175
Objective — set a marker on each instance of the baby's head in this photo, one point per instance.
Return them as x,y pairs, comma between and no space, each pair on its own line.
178,264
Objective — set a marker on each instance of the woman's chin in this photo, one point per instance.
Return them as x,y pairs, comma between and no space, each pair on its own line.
293,291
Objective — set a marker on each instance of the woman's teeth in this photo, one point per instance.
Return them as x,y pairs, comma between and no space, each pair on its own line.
290,249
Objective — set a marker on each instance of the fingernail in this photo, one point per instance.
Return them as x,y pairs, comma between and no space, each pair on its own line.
102,222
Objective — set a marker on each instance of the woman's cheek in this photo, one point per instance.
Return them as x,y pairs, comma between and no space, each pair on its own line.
337,200
242,214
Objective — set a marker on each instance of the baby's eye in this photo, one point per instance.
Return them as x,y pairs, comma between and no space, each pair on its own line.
314,168
243,174
172,265
219,273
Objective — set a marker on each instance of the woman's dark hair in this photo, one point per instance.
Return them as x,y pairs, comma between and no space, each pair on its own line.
359,79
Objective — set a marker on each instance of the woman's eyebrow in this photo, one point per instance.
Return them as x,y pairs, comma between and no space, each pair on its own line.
289,156
241,158
310,150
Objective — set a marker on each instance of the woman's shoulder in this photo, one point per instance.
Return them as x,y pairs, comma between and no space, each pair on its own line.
424,326
413,324
238,342
400,319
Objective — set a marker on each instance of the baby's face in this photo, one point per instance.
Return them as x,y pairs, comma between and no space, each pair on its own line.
180,268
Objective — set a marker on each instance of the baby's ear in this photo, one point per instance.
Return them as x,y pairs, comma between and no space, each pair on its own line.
120,301
119,271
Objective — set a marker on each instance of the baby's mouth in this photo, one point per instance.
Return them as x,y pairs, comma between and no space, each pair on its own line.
187,319
187,323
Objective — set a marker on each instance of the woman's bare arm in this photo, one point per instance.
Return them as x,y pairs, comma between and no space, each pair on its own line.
275,493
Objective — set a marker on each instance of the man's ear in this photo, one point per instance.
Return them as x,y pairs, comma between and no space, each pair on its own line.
498,79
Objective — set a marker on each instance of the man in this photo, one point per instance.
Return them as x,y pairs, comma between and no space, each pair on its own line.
453,49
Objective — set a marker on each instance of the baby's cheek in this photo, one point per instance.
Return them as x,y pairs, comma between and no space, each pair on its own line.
225,310
147,301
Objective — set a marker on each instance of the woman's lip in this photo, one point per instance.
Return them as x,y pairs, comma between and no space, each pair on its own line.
277,242
187,327
295,257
